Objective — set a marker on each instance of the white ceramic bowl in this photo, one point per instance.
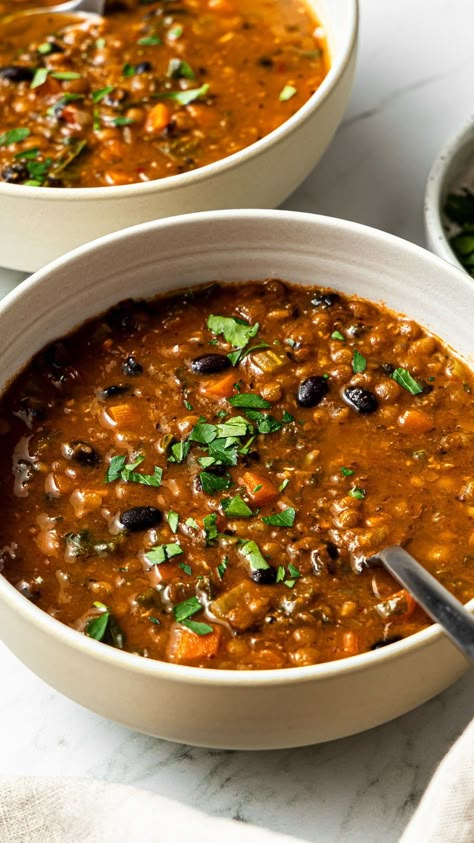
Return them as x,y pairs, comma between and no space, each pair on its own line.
452,169
234,709
38,224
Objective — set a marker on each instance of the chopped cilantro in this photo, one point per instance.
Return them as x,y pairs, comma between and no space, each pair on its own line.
236,331
39,77
403,378
357,492
173,520
184,97
154,620
287,417
265,423
99,95
191,522
283,485
254,556
180,69
212,483
336,335
122,121
116,466
284,518
128,70
210,527
281,574
203,433
236,507
175,32
186,568
249,399
65,75
221,568
359,363
179,452
198,628
346,472
287,93
186,609
163,552
149,41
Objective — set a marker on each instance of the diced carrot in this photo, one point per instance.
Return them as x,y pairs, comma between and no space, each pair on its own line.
260,489
123,415
415,421
219,388
158,118
186,646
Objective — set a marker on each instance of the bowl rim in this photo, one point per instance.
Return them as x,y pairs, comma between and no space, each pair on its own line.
183,674
339,65
436,183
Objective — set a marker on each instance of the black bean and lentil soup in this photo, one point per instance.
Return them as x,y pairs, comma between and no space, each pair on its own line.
152,89
201,478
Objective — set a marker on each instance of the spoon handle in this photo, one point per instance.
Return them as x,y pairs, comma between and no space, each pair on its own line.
435,599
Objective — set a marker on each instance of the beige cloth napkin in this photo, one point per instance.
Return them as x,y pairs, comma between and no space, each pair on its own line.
50,810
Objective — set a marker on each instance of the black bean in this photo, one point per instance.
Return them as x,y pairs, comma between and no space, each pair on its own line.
143,67
385,641
264,576
426,388
52,181
332,550
114,390
361,400
265,61
312,391
16,73
388,368
132,367
140,518
324,300
210,364
82,452
15,173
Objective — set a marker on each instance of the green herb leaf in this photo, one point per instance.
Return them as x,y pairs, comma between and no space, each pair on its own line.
281,574
179,452
45,48
186,609
346,472
254,556
357,492
191,522
154,620
265,423
128,70
212,483
149,41
97,627
222,567
130,476
237,332
203,433
28,154
186,568
175,32
359,363
99,95
122,121
184,97
249,399
180,69
210,527
283,485
294,572
40,76
336,335
173,520
287,418
163,552
236,507
234,428
284,518
65,75
403,378
114,471
287,93
198,628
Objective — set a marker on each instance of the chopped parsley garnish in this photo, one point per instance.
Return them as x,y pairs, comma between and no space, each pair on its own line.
212,483
192,523
65,75
186,568
119,469
287,93
154,620
188,405
39,77
284,518
249,399
45,48
163,552
180,69
236,507
122,121
105,628
99,95
210,527
359,363
283,484
236,356
403,378
237,332
175,32
179,452
186,609
254,556
198,628
293,575
264,422
221,568
114,471
336,335
128,70
173,520
149,41
357,492
184,97
281,573
28,154
346,472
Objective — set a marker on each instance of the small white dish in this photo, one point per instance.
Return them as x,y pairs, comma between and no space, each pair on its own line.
262,709
451,170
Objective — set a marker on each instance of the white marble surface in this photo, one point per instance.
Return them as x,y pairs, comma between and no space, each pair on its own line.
413,86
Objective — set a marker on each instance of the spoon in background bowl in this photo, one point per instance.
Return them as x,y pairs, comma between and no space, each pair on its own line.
434,598
95,6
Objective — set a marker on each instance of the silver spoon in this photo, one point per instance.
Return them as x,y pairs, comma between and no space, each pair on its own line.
434,598
96,6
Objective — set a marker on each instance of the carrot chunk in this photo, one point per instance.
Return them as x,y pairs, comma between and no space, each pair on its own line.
158,118
415,421
186,646
123,415
260,489
220,388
